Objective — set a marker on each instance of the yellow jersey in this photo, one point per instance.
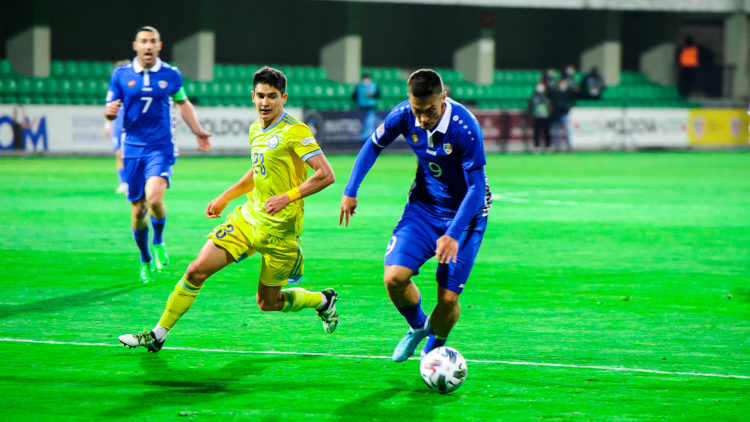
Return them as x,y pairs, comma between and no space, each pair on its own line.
279,153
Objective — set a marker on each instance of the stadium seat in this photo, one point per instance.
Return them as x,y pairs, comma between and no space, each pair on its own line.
6,69
24,86
70,69
9,86
57,69
84,69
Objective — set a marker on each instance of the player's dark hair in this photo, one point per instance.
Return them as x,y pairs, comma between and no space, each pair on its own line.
271,77
149,29
425,83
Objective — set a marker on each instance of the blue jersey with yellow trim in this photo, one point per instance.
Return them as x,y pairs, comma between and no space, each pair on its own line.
444,154
146,96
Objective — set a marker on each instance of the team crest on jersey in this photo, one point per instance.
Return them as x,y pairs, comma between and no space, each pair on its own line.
162,84
414,138
273,142
448,148
131,83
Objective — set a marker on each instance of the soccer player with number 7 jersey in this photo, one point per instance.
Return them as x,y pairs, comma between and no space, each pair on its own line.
147,88
446,212
270,222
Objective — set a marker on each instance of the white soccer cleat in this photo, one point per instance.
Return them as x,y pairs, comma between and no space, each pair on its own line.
122,188
328,315
145,339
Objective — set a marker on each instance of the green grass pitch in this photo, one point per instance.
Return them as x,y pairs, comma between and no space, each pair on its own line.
609,287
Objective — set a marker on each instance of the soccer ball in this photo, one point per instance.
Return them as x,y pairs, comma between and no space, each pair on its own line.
443,369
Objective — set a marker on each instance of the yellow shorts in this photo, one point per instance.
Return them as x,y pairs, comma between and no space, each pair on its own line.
282,259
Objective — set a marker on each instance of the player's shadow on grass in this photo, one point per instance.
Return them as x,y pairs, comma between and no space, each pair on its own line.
406,394
178,380
75,300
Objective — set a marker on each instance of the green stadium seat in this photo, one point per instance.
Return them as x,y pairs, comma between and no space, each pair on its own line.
24,86
219,72
100,70
6,69
70,69
56,69
214,90
244,73
84,69
9,86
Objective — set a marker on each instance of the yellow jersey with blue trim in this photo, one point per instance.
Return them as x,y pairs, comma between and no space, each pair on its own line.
279,153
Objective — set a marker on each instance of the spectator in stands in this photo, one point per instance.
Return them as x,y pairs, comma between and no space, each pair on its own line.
563,99
689,61
21,127
18,130
549,79
365,94
539,110
592,85
570,75
113,131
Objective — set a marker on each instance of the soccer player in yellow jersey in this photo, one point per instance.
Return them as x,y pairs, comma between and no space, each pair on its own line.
270,222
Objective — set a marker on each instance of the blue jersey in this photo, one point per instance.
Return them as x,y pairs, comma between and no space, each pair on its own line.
445,154
146,95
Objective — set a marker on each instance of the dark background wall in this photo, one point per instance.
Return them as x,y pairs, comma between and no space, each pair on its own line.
294,31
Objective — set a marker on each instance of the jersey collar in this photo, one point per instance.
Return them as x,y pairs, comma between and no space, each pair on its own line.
276,123
138,68
442,126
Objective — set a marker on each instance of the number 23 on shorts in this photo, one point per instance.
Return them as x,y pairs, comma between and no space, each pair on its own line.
222,230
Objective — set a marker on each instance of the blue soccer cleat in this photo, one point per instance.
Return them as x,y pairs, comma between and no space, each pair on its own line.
406,347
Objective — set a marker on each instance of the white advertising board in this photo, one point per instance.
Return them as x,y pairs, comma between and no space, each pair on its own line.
80,129
628,128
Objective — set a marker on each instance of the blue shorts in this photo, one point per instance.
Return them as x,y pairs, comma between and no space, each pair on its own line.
415,239
139,169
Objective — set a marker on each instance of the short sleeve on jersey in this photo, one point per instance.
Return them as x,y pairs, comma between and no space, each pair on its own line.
391,127
302,142
114,93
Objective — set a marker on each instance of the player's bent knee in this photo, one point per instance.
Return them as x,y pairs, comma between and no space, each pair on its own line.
266,305
195,275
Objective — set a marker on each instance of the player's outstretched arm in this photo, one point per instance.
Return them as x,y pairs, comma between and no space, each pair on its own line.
188,113
243,186
322,178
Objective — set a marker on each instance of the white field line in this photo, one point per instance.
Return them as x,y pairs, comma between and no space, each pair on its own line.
337,355
537,197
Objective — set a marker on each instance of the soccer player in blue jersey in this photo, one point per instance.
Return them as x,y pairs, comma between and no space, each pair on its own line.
147,88
446,213
113,131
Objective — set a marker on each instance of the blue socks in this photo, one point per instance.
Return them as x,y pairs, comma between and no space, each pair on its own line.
141,239
433,342
158,226
121,175
415,317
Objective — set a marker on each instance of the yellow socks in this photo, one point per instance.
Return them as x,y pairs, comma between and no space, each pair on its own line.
179,302
296,299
